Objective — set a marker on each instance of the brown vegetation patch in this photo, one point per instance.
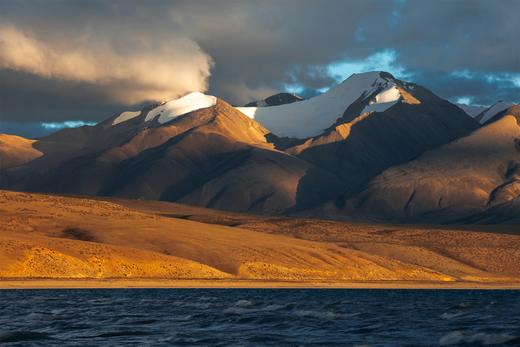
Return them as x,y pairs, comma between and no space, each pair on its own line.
78,234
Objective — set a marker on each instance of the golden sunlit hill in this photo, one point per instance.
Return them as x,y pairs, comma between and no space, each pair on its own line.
16,150
50,237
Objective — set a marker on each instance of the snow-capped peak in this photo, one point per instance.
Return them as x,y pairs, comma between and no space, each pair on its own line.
384,99
171,109
175,108
310,117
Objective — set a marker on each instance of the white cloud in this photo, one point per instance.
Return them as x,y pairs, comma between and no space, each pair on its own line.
142,71
65,124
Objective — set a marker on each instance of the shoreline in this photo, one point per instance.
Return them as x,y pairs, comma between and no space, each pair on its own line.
243,284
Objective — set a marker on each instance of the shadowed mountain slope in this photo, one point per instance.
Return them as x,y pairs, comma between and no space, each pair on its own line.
473,179
368,139
215,157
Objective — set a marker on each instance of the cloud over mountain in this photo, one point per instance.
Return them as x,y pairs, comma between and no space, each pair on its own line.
141,71
130,51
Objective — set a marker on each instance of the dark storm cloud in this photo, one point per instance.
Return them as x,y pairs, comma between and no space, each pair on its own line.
260,45
136,51
268,44
40,98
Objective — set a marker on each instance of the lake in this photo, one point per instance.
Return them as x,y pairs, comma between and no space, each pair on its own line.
259,317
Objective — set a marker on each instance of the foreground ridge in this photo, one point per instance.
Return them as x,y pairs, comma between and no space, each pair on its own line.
50,238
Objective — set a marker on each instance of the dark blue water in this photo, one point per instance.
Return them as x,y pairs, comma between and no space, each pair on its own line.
256,317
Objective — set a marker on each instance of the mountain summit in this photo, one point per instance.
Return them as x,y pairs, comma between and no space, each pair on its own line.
383,122
377,91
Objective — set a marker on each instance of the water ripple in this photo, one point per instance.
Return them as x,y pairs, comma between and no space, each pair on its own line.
251,317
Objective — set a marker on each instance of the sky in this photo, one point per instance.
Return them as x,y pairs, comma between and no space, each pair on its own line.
70,63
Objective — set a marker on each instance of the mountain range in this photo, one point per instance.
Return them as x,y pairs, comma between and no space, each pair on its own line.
373,147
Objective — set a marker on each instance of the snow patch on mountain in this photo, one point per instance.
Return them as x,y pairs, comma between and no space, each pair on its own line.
310,117
472,110
383,100
175,108
123,117
493,110
389,94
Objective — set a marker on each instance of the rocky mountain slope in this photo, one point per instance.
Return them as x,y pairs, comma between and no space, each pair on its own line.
475,178
393,124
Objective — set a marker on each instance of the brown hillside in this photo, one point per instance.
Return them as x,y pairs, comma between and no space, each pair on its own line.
475,178
61,237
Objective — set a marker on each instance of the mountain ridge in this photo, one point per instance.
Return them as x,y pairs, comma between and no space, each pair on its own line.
200,150
214,156
473,178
